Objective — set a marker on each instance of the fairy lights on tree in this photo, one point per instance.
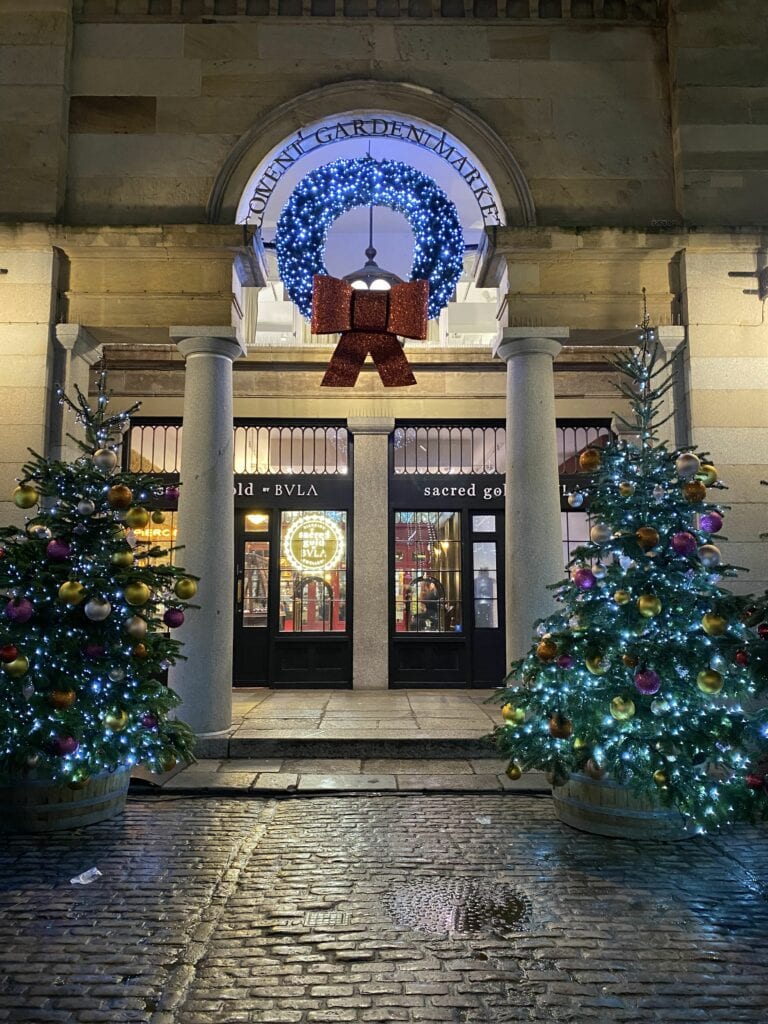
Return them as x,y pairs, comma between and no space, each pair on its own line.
644,675
85,615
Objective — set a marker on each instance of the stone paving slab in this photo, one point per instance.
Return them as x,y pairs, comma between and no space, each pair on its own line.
258,911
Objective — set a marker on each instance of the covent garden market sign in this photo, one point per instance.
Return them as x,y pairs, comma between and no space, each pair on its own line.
308,140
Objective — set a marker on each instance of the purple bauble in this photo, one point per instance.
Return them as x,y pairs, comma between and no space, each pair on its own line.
684,544
94,651
647,681
584,579
712,522
19,610
58,551
149,721
172,493
63,745
173,617
565,661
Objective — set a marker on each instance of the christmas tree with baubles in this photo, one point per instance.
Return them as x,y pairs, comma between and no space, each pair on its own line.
644,673
85,615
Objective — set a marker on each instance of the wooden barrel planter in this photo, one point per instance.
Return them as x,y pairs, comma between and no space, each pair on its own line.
608,809
39,805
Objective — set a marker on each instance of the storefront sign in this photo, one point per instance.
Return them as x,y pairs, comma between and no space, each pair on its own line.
307,140
313,543
305,491
414,490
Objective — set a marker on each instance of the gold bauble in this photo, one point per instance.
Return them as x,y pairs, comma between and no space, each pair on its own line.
649,605
514,772
25,496
694,491
590,460
62,699
629,660
622,710
560,727
546,650
626,489
158,516
512,714
660,778
18,667
72,592
137,517
167,762
713,624
140,651
709,681
647,537
707,474
122,559
595,664
593,769
116,719
185,588
579,743
119,496
137,593
622,597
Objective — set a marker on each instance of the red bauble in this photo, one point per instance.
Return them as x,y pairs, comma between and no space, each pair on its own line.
63,745
149,721
94,651
755,781
762,630
2,552
741,658
9,653
584,579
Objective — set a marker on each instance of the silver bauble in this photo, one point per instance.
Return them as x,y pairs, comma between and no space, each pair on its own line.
116,675
600,533
105,460
28,691
599,571
136,627
86,507
659,706
687,465
576,500
709,555
97,609
718,663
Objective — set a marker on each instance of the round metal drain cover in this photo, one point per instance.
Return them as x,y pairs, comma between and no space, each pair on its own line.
456,905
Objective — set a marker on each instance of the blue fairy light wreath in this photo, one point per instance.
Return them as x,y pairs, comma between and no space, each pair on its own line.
328,192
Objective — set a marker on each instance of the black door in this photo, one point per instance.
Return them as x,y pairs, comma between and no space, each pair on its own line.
486,573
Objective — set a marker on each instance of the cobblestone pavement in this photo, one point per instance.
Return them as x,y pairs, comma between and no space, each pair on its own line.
314,910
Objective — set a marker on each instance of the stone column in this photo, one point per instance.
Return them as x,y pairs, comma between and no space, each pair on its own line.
206,526
370,554
533,534
673,404
81,351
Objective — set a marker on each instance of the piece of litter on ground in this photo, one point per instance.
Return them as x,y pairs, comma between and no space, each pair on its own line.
86,877
485,820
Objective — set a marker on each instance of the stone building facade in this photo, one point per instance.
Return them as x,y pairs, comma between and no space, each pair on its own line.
625,143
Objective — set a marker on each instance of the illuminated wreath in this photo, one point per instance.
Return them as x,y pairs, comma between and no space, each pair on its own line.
328,192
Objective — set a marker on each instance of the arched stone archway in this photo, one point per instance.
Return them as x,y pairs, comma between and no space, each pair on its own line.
396,97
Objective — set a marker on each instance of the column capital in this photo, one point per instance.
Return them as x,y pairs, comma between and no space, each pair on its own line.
525,341
370,424
79,341
214,341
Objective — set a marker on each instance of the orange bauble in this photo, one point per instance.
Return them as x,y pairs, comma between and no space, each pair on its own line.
140,651
119,496
694,491
560,727
590,460
62,699
647,537
546,650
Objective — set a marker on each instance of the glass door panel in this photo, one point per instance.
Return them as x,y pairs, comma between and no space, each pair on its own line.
255,600
485,584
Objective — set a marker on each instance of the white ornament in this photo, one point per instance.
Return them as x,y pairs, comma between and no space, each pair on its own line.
136,627
625,562
97,609
687,465
86,507
576,500
709,555
116,675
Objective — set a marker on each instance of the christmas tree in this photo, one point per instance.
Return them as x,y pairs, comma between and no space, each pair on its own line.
643,673
85,616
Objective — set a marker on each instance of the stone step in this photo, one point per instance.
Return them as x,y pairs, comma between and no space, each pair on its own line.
234,746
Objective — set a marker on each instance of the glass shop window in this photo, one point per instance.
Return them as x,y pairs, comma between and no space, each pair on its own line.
575,527
160,532
485,584
313,572
428,572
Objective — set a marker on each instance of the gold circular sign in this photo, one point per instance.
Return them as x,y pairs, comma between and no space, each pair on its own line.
313,543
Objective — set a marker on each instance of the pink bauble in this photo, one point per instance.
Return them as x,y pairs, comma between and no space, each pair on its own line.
712,522
94,651
172,493
63,745
684,544
58,551
173,617
565,661
647,681
149,721
584,579
19,610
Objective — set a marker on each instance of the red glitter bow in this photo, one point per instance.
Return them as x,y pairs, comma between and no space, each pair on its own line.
369,322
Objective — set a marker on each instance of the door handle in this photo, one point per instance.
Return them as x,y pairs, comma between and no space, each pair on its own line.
239,590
